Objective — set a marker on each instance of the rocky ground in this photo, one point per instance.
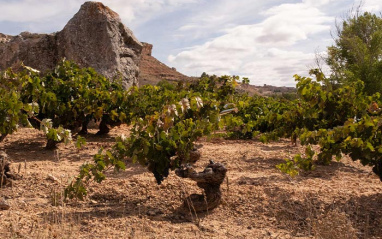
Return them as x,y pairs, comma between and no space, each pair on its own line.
342,200
153,71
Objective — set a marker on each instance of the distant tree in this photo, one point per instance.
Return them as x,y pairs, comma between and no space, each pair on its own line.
245,81
357,52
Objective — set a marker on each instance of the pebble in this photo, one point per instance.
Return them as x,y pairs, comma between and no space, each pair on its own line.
4,205
151,213
23,203
52,178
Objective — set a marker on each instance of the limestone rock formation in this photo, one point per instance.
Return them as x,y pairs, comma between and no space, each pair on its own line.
94,37
36,50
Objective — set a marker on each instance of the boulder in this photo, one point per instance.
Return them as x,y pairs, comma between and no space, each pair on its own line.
94,37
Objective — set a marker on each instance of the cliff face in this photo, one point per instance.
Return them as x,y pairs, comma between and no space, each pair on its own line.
94,37
152,71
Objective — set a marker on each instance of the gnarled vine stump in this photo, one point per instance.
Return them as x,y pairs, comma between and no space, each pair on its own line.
51,144
377,169
103,128
209,180
5,170
2,137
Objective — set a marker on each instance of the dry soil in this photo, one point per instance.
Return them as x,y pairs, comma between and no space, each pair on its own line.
342,200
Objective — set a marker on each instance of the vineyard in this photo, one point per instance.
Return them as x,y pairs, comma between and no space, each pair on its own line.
278,155
82,157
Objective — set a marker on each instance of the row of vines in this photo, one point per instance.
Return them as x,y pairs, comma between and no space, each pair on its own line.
168,119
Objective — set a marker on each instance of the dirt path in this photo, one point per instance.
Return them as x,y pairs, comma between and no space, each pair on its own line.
342,200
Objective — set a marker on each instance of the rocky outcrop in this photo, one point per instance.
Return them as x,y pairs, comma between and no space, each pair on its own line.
152,70
147,49
94,37
36,50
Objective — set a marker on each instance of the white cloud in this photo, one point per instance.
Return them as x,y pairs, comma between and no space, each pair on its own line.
277,67
33,12
215,17
268,41
316,3
139,11
265,51
283,27
372,5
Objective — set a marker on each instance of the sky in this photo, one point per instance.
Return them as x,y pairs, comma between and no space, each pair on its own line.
266,41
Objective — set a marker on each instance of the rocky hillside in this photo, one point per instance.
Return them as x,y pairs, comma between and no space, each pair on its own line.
152,70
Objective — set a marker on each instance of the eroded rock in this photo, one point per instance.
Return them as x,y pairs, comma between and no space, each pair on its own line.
4,205
94,37
153,71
